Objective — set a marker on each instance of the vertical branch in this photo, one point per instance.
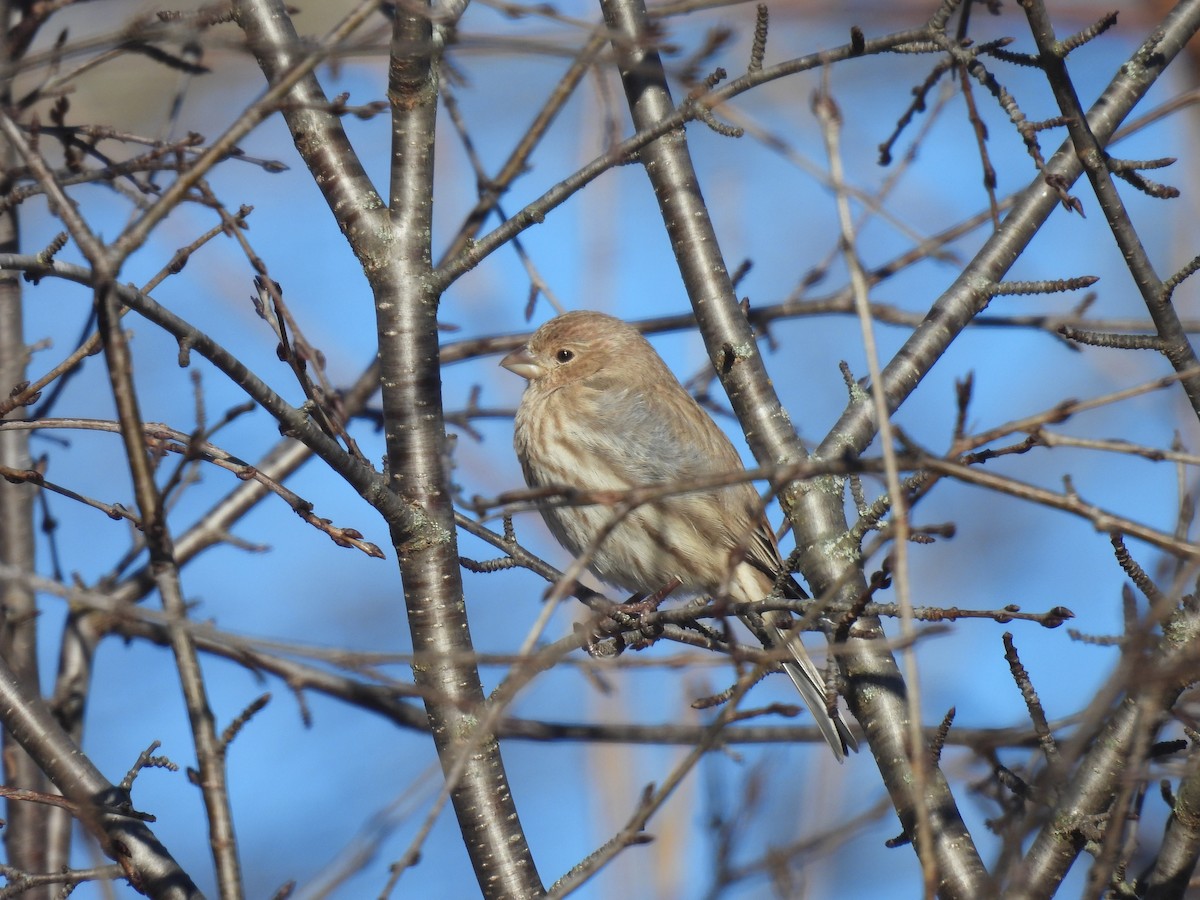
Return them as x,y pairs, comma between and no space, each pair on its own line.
25,834
875,692
409,358
210,752
394,249
1053,853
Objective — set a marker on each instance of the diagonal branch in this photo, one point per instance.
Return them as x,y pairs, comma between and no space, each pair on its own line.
970,293
1173,340
876,689
103,807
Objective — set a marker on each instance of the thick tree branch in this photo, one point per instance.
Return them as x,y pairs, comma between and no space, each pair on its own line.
27,837
406,307
875,688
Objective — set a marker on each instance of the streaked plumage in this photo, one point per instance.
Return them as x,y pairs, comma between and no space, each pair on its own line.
602,411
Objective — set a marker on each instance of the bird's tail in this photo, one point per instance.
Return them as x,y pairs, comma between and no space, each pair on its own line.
774,629
808,681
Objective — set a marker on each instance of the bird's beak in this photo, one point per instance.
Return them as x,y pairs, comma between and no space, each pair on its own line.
522,362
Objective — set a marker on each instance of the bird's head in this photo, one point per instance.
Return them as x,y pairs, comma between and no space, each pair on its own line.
580,346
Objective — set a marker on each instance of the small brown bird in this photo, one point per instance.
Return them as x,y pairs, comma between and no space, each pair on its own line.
602,411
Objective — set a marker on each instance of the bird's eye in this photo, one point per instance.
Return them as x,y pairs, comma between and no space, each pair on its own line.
564,355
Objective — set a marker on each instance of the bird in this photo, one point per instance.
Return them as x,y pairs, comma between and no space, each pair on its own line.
601,411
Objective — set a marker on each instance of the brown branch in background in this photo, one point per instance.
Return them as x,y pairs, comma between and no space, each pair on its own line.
518,160
163,439
30,391
653,797
1037,715
1090,151
538,285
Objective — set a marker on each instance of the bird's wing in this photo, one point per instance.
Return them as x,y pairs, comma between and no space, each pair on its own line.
664,435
